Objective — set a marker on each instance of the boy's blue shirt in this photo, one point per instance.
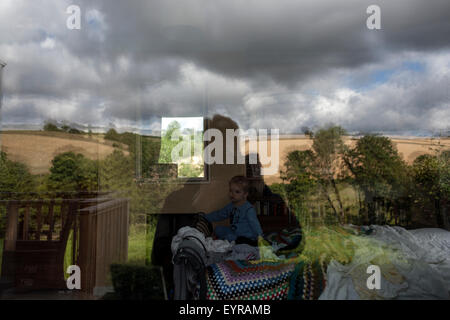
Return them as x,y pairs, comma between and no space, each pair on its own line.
245,222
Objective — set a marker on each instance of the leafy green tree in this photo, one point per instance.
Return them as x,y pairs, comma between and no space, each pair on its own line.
444,174
88,175
73,172
14,176
328,147
112,134
378,170
299,177
116,172
431,178
51,127
150,147
170,138
190,170
316,169
308,132
169,141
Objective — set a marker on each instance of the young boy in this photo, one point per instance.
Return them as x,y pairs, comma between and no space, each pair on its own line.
243,221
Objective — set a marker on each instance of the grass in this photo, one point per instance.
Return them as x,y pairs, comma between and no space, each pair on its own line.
330,242
139,246
323,242
320,240
140,243
68,255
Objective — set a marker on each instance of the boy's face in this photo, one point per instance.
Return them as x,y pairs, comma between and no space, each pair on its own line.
237,194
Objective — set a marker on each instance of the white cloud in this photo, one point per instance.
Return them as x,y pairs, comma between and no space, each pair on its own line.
267,65
48,43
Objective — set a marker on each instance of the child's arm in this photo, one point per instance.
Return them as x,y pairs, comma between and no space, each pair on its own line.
219,215
254,222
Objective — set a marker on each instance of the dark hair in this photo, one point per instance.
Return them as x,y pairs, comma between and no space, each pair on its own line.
241,181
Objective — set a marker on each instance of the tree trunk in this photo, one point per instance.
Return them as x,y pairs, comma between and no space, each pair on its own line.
329,200
369,201
437,212
338,197
445,214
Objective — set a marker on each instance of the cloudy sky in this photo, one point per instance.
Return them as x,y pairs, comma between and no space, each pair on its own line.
281,64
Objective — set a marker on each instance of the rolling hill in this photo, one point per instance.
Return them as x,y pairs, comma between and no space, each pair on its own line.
36,149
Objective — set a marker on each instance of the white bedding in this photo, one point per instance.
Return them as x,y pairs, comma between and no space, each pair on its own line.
414,264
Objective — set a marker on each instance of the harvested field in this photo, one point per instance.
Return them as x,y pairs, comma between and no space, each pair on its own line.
37,149
409,149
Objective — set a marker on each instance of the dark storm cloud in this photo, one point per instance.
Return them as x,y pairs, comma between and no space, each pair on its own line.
282,64
286,40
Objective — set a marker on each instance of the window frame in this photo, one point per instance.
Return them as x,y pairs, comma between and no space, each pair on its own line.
178,180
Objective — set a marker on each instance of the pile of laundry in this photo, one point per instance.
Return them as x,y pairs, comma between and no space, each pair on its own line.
213,250
192,252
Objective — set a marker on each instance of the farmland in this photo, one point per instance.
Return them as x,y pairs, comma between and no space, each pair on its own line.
408,148
36,149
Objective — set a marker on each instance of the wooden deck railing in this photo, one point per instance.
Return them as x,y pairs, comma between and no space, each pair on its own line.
37,232
103,241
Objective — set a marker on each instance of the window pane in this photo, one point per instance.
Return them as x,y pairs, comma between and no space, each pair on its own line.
182,144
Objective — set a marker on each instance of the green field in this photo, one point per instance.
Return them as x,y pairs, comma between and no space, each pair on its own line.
140,244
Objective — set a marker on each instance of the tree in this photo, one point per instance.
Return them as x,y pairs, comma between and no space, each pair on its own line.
74,131
378,170
169,141
318,167
189,170
14,176
150,147
116,172
444,174
51,127
112,135
328,147
73,172
299,175
431,180
307,132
